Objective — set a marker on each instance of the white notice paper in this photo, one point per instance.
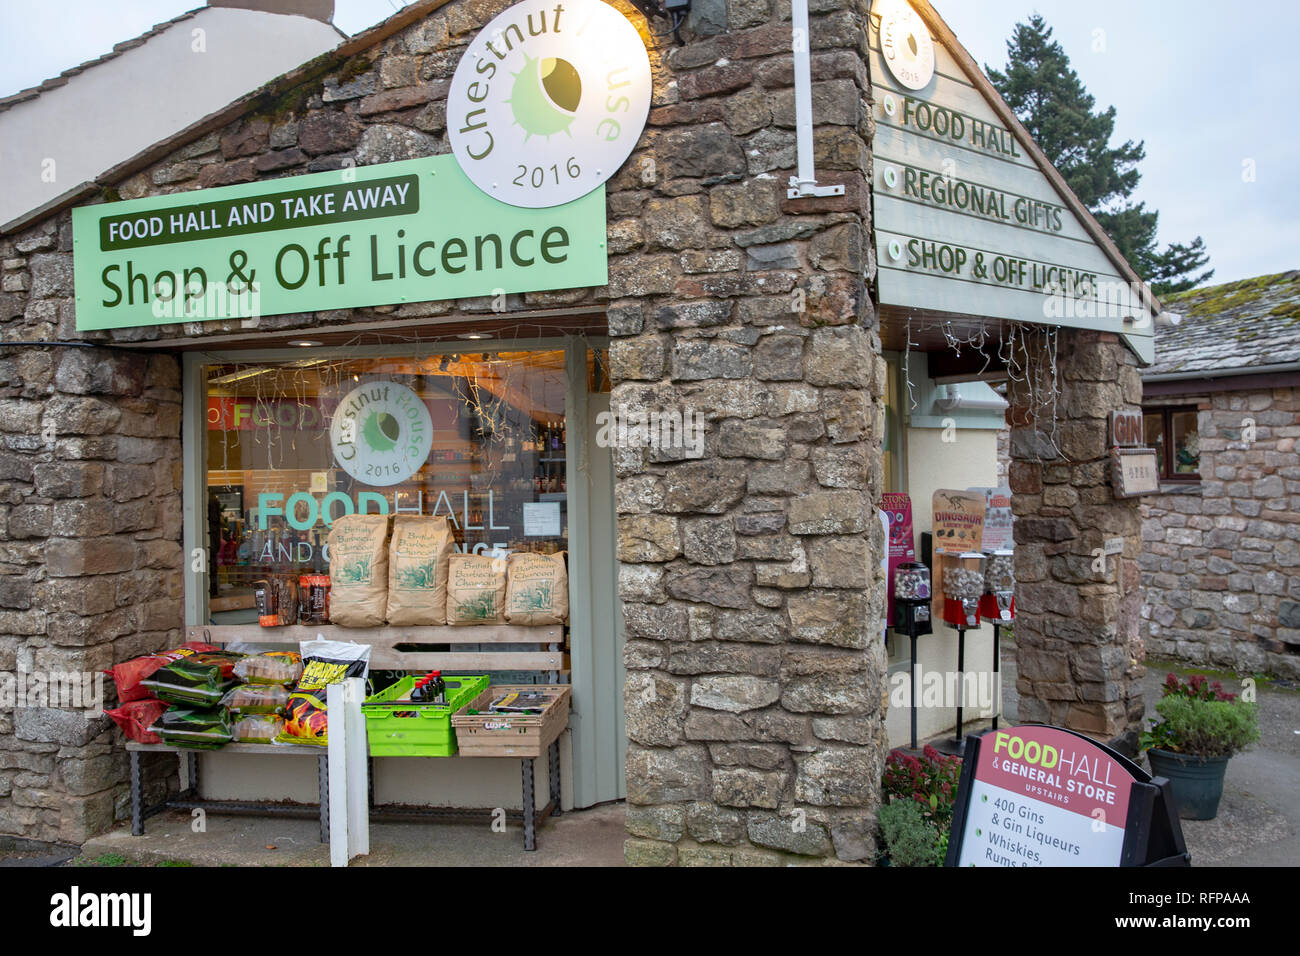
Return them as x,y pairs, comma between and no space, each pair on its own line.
542,519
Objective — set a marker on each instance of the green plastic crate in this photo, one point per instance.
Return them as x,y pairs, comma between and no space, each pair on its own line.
425,729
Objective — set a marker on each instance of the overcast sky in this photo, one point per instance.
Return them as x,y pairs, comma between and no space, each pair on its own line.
1209,86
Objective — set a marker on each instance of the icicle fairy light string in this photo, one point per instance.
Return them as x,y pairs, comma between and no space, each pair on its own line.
1029,354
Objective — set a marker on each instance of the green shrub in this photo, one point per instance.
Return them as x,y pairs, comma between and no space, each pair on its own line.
1203,728
911,840
929,780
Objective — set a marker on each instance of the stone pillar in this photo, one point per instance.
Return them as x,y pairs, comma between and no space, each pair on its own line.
1079,649
749,581
90,530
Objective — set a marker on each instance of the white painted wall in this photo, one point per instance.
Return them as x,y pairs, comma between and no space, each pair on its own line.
931,464
115,110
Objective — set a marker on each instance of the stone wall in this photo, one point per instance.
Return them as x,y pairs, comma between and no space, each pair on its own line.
1221,557
90,554
751,596
1079,647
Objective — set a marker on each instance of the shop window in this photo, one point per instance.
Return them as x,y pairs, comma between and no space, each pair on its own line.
292,446
1173,433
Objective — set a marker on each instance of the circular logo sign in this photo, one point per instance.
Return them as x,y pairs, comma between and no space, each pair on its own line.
549,101
381,433
906,45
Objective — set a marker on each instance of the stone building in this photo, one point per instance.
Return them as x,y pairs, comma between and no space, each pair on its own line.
730,672
1221,542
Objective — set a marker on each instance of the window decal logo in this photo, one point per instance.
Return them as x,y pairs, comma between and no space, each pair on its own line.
381,433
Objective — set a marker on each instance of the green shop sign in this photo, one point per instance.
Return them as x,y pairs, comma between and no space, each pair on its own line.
411,231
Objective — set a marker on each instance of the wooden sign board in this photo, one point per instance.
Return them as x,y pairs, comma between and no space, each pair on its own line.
966,219
957,518
1126,428
1135,471
1045,796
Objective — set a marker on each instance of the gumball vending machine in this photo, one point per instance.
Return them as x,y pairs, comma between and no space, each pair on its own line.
912,614
998,605
912,600
963,586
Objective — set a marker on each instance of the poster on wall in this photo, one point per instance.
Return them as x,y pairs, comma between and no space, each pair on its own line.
1036,795
998,519
958,521
897,510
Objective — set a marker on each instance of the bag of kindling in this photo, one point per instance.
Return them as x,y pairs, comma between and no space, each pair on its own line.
324,663
359,570
417,570
128,675
476,589
199,680
537,589
135,718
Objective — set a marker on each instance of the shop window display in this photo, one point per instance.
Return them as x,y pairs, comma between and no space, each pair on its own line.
479,438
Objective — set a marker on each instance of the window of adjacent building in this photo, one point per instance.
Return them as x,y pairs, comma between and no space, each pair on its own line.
1173,433
276,477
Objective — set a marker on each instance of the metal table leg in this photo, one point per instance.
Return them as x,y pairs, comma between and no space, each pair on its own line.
323,787
553,774
370,779
530,806
137,796
192,766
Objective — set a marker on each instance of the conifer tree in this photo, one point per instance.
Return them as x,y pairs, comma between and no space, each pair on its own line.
1061,115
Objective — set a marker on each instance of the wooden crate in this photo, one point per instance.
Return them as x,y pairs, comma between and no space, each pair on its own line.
511,735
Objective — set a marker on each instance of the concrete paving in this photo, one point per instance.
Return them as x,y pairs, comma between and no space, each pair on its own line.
591,837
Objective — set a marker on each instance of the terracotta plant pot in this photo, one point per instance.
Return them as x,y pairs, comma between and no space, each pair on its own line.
1197,781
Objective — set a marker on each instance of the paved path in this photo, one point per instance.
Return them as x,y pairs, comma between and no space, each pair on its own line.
588,838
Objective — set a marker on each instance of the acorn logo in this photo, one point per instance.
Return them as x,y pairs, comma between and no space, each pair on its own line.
548,101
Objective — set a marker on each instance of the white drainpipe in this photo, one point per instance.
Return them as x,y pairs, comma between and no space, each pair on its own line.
804,185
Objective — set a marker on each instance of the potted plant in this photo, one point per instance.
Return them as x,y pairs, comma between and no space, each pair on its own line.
1200,727
920,793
